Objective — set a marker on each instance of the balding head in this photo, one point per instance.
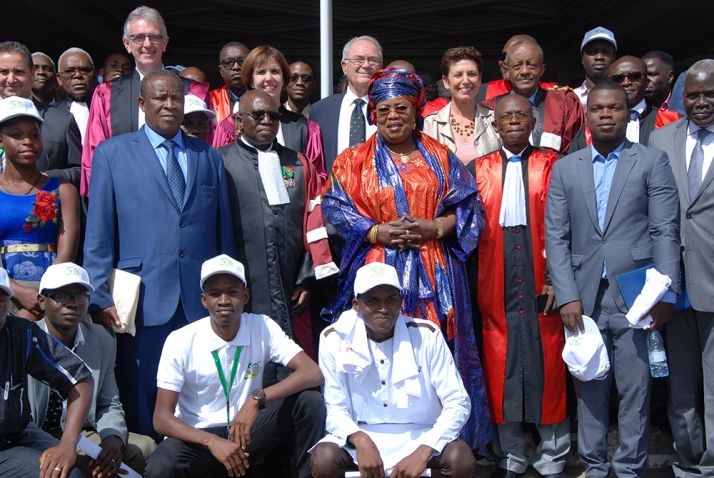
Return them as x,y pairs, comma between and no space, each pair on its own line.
258,115
699,93
194,73
402,65
510,43
630,72
514,122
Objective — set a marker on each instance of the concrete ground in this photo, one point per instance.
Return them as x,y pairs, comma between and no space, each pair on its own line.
661,456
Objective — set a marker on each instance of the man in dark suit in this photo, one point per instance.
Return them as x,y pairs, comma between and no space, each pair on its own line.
77,79
612,208
343,117
159,208
689,143
114,109
62,145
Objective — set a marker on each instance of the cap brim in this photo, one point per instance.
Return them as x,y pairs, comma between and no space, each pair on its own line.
215,273
19,115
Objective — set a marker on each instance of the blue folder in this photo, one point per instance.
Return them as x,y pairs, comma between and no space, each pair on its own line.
631,283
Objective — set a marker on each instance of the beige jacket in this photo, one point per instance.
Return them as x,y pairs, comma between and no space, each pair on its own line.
486,140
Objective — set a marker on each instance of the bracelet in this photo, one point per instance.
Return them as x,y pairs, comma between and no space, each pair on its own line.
372,234
439,229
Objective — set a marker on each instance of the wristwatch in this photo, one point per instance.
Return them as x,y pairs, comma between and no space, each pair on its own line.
259,395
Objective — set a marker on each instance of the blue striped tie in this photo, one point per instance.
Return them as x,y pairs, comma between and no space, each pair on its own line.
177,183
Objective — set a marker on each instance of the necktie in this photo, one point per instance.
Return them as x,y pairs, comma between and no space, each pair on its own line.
696,162
177,183
357,125
634,115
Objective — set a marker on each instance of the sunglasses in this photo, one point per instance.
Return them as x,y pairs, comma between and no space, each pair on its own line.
632,76
259,115
229,62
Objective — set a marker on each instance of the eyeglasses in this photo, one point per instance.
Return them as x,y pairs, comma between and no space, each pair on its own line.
259,115
518,115
229,62
304,78
140,38
79,70
63,298
400,109
360,60
632,76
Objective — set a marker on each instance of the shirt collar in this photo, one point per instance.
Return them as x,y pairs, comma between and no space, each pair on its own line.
350,97
157,140
693,128
253,148
214,342
532,98
613,155
509,155
78,337
640,107
665,103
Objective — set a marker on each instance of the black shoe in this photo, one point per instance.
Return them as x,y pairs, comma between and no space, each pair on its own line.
501,473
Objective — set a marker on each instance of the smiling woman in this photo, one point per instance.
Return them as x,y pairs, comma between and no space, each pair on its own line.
463,125
403,199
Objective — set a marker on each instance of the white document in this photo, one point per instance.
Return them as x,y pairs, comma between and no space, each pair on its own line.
91,449
125,288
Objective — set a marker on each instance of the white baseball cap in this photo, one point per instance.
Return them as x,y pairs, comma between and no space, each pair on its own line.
222,264
598,33
585,352
373,274
14,106
5,282
64,274
194,104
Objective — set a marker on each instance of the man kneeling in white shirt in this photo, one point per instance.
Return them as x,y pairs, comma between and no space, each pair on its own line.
213,368
394,399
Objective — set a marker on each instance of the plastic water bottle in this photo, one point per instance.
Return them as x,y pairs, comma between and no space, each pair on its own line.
657,355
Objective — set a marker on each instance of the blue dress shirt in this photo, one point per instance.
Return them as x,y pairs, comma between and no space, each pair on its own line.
603,172
162,153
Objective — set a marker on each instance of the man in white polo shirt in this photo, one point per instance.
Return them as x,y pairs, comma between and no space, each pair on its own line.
394,399
210,404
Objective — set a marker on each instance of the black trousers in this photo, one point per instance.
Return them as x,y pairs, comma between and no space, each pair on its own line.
297,421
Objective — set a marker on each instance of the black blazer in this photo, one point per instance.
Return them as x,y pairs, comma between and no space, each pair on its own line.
326,113
62,144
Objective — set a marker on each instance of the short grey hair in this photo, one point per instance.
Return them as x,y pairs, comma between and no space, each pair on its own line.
348,46
145,13
72,50
705,66
524,42
39,53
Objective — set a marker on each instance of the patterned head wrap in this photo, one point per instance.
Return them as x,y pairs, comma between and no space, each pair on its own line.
393,82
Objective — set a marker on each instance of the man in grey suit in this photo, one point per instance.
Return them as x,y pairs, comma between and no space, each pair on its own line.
612,208
64,297
689,143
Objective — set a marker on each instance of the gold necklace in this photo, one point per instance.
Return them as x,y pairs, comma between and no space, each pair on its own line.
403,157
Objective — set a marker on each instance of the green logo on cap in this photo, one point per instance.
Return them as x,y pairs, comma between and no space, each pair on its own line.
71,271
224,261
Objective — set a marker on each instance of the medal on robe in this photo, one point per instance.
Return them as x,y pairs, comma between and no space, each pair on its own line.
288,176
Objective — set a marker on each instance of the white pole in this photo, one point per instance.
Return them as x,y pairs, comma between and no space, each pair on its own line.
325,48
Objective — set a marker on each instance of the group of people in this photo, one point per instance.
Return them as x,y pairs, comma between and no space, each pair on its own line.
417,260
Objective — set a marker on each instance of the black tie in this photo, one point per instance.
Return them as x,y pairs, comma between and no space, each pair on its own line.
51,424
357,125
177,183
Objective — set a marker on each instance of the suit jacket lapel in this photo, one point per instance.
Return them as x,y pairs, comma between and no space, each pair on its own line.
708,178
148,156
192,169
678,161
587,185
624,165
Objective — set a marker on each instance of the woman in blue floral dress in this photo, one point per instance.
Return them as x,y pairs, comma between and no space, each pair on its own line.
39,215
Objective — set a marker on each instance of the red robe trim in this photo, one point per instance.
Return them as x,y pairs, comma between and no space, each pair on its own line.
220,103
501,87
491,301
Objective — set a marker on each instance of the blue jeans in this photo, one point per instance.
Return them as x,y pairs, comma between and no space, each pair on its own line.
23,459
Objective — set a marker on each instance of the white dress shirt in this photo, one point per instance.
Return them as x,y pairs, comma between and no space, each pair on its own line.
187,366
707,146
80,111
343,125
403,392
633,126
582,91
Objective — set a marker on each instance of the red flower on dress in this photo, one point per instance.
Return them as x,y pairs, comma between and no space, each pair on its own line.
44,210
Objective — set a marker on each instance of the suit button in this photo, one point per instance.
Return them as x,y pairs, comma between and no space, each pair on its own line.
521,296
522,312
182,225
520,281
384,405
384,383
517,230
181,254
689,215
604,242
518,248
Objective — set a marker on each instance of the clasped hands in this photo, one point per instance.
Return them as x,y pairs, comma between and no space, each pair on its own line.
406,232
231,452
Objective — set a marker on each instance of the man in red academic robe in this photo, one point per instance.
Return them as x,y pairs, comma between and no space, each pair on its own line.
230,64
114,109
557,110
522,334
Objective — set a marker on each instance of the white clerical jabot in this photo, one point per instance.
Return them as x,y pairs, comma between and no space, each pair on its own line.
513,199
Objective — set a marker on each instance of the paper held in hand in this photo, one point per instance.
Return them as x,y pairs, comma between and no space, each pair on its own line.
125,288
91,449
